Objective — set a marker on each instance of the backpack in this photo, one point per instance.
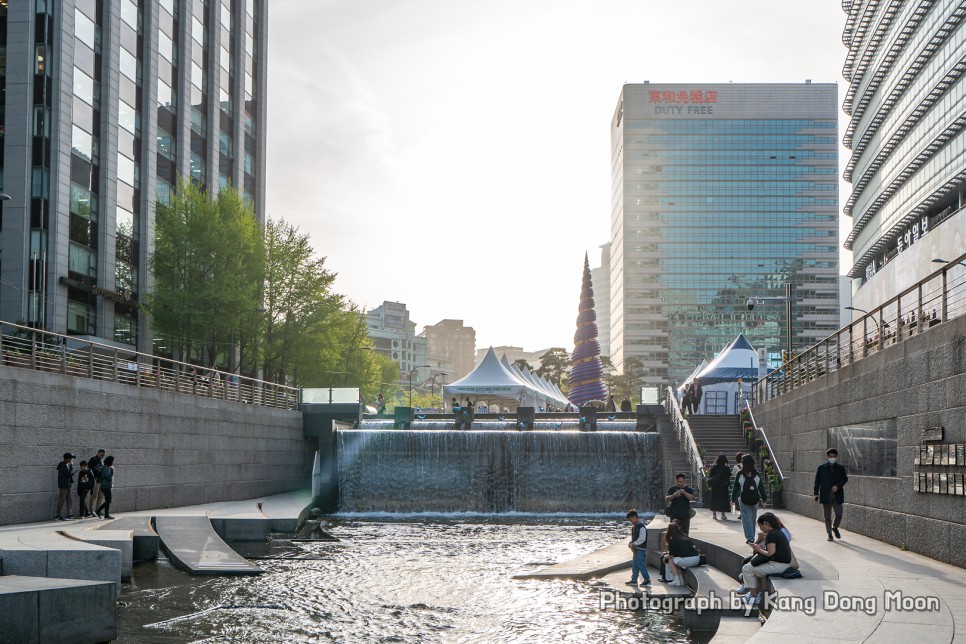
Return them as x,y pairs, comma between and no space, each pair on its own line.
749,491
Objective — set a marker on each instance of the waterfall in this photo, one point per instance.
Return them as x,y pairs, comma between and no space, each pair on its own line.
498,471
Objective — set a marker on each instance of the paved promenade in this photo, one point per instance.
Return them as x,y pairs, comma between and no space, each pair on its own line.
854,590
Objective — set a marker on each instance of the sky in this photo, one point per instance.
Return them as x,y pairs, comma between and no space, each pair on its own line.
455,155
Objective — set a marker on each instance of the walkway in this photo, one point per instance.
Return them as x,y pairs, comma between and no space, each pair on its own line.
857,587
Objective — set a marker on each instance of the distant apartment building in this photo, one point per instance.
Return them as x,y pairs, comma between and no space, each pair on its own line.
453,343
906,102
601,279
394,334
106,103
721,192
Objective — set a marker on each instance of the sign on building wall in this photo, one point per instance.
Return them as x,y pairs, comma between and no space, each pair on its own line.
691,102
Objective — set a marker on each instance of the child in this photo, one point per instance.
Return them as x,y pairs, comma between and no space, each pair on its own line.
638,545
85,486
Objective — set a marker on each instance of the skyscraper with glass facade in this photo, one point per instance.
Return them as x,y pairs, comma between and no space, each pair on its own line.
906,103
721,192
107,104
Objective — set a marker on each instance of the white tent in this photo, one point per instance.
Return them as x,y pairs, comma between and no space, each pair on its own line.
493,381
720,378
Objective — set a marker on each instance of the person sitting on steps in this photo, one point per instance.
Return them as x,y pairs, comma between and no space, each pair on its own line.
774,557
681,554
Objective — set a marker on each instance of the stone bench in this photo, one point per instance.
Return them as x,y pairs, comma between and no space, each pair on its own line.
43,609
47,553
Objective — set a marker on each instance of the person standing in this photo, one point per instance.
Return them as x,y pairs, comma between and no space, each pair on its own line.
748,494
696,394
626,406
107,487
735,471
719,479
638,545
65,480
611,403
85,484
830,480
686,400
679,499
94,463
381,404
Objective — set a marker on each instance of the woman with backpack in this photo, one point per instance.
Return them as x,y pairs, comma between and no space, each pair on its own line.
749,494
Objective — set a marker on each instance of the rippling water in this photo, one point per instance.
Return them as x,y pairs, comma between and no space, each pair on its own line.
416,579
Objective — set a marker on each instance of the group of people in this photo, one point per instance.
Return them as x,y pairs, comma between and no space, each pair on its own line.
770,545
626,405
94,486
691,398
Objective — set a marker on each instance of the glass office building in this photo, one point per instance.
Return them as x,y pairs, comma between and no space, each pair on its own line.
107,103
907,131
721,192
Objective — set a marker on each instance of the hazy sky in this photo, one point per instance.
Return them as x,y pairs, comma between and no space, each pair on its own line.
454,155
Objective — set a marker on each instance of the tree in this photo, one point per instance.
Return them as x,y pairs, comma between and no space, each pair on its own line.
628,384
207,264
305,321
522,364
554,365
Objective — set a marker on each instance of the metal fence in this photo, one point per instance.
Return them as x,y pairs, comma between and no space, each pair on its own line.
28,348
686,439
939,297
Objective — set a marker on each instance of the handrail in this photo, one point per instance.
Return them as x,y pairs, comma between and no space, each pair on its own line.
29,348
764,438
938,298
683,429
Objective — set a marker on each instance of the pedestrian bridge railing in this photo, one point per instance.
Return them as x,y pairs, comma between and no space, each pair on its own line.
936,299
28,348
683,430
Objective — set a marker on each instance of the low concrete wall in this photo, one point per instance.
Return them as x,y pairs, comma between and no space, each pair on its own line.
921,383
171,449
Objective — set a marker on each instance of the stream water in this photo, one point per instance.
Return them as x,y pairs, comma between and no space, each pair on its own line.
396,578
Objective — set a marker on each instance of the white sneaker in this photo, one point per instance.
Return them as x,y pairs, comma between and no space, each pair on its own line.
741,590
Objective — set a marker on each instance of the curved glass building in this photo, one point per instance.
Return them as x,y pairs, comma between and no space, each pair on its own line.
907,106
721,192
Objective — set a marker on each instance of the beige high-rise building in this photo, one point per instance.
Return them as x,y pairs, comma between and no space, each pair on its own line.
453,342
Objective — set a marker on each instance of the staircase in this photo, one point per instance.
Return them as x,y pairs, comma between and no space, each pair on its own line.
674,459
718,435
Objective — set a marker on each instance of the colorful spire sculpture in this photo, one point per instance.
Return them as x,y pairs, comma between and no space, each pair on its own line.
586,371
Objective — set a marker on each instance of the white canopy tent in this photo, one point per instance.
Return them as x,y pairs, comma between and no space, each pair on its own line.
493,381
720,379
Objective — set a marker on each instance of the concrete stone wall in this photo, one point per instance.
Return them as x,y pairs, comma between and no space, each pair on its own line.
921,383
170,449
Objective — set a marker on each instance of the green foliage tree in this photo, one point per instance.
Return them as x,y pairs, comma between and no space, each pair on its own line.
554,365
208,265
628,384
522,364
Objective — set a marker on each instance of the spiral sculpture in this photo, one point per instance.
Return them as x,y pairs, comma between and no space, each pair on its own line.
586,371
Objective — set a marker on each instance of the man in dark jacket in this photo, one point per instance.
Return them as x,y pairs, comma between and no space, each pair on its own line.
830,479
65,480
94,464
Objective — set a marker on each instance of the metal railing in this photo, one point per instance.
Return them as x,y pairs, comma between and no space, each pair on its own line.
683,430
760,431
28,348
938,298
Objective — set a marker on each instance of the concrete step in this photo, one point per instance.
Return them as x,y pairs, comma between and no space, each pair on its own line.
47,609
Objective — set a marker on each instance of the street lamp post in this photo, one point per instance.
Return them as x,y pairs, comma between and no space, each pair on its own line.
944,261
411,372
878,328
432,390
